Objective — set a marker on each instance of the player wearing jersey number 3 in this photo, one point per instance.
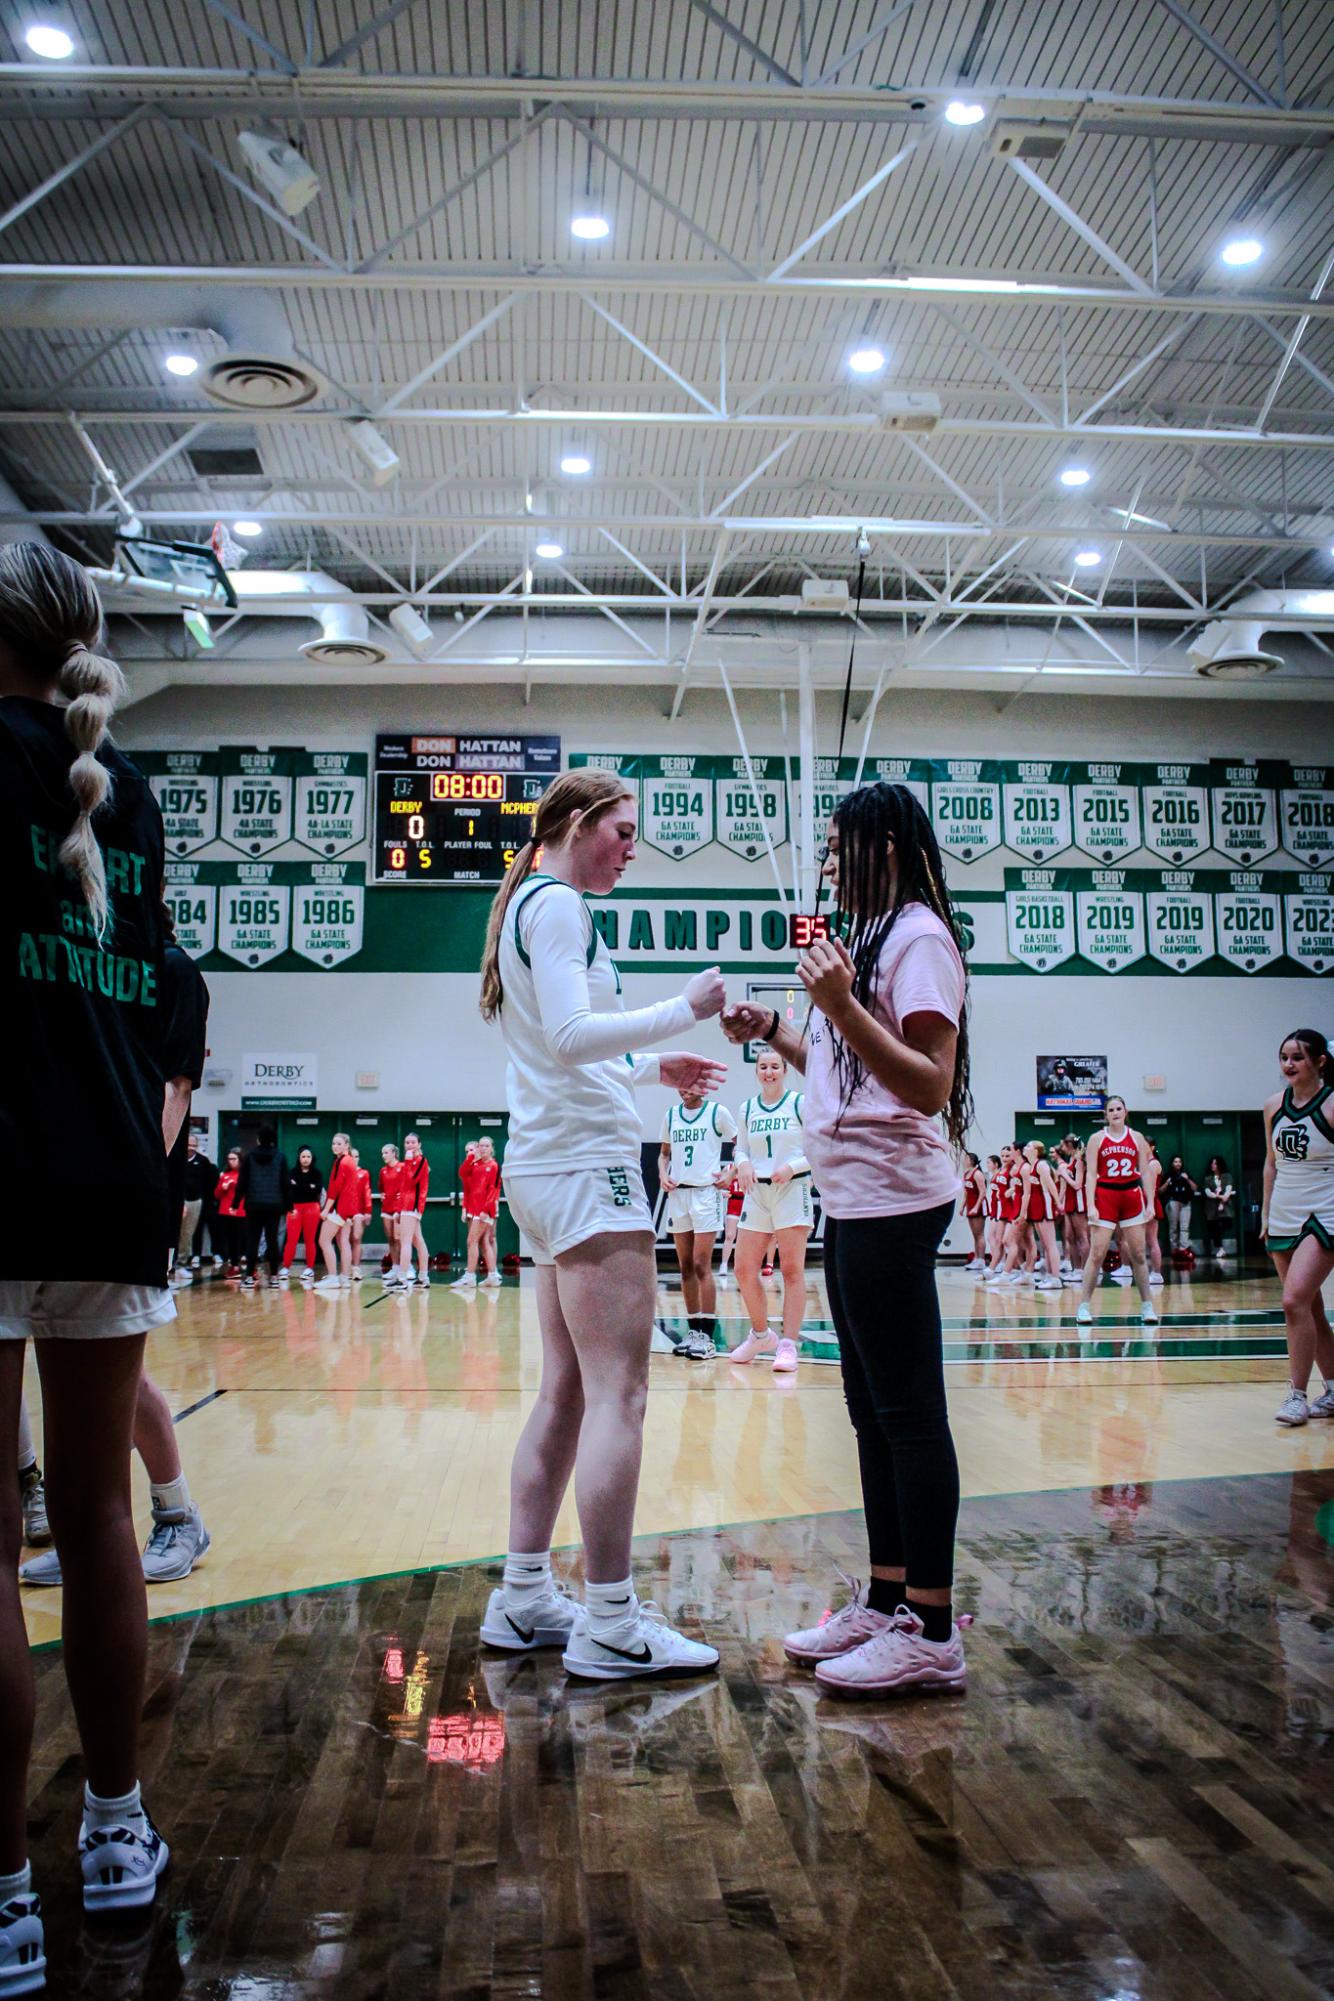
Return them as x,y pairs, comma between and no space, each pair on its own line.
691,1172
575,1190
1117,1164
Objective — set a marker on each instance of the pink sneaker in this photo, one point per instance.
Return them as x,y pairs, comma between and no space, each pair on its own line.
851,1626
785,1357
896,1661
754,1344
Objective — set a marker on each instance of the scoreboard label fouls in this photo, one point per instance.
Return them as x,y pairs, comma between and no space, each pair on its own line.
456,809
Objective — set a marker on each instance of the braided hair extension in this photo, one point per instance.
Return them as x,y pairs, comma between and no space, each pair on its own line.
870,897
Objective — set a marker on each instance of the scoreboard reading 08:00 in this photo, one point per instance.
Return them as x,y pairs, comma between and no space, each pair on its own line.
456,809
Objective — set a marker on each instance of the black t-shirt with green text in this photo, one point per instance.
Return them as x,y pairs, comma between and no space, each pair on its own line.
83,1171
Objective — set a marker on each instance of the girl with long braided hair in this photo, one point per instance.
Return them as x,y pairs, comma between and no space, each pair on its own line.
887,1108
82,952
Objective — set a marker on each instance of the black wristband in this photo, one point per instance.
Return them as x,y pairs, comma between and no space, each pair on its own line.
772,1029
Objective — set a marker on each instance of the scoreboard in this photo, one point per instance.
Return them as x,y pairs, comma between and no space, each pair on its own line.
456,809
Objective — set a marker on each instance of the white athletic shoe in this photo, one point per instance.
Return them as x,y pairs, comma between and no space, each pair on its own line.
1322,1406
1155,1278
284,1271
548,1622
1123,1272
356,1276
424,1281
1051,1285
329,1283
468,1283
1148,1313
1066,1267
308,1275
995,1278
1084,1315
121,1866
644,1644
975,1264
1294,1409
22,1944
492,1282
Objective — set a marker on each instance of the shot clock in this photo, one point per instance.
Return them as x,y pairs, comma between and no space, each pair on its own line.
456,809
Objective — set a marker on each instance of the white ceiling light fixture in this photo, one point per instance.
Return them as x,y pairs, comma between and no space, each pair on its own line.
576,464
1088,559
866,361
550,552
960,111
1075,476
180,364
590,228
287,175
1239,251
249,529
52,44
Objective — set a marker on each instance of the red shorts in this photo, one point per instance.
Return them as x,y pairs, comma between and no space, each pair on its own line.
1038,1211
1119,1205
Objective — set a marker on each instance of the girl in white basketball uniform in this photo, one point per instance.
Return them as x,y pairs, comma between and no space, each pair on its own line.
694,1131
774,1172
572,1176
1297,1221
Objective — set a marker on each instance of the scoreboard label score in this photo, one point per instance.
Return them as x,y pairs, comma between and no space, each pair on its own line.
456,809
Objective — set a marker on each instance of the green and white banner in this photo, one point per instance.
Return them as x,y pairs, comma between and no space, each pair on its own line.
1306,814
966,807
1308,922
1107,812
329,814
1175,799
1180,920
1039,919
1036,821
1250,920
256,798
328,913
747,812
254,914
676,804
1244,809
1109,917
191,895
185,784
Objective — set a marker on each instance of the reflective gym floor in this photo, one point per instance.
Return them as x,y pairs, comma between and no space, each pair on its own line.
1133,1798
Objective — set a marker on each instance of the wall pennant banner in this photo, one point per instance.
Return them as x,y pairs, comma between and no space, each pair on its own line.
1037,820
676,804
1040,918
966,806
328,912
1244,807
257,798
1308,922
744,810
329,812
1180,917
254,914
1306,814
190,893
185,784
1107,811
1110,918
1249,918
1175,799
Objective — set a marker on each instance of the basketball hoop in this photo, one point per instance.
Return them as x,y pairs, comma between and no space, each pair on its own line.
226,547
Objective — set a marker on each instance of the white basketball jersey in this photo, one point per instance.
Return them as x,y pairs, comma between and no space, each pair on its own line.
772,1135
696,1140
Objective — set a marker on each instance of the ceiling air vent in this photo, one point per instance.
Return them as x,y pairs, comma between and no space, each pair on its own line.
261,382
1028,139
345,639
225,454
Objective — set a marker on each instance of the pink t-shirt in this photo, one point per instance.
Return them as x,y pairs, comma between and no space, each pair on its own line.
885,1159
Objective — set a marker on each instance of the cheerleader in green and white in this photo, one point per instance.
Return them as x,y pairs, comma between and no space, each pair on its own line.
1298,1217
773,1171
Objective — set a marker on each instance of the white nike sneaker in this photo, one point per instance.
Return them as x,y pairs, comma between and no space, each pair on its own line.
1084,1314
1148,1314
548,1622
121,1866
645,1645
1294,1409
467,1283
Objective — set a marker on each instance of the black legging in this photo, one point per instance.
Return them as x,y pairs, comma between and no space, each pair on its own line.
880,1273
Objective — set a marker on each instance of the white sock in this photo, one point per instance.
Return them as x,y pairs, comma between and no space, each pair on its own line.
405,1273
610,1605
170,1497
17,1884
127,1811
527,1578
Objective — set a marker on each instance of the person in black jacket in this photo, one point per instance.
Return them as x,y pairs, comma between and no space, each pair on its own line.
201,1180
263,1188
1178,1191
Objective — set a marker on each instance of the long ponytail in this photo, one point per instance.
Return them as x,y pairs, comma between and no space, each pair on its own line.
585,794
51,617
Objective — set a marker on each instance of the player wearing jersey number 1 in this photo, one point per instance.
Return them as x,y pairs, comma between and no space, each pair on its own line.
1115,1176
573,1181
773,1170
690,1170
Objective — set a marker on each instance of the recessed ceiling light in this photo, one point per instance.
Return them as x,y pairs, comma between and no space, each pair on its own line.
960,112
1242,250
866,361
549,551
1088,559
592,228
1075,476
53,43
180,364
248,528
575,462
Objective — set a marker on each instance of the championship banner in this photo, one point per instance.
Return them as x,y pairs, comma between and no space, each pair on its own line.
1110,921
1244,809
1180,919
254,913
328,911
1306,815
329,812
966,807
1036,817
745,811
1175,799
190,893
185,785
1039,918
1249,917
256,798
1107,815
676,804
1308,922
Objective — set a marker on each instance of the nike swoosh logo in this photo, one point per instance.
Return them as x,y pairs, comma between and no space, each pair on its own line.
644,1654
527,1638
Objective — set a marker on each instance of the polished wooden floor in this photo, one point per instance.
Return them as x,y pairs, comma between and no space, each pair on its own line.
1132,1800
335,1438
